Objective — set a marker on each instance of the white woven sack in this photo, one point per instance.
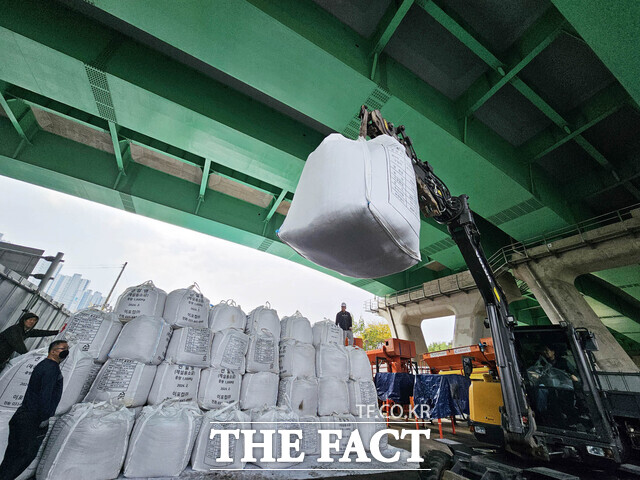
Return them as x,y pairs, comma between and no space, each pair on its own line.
356,210
368,425
174,382
333,396
310,443
88,442
143,299
143,339
332,361
187,307
162,440
326,331
263,317
15,377
122,382
77,369
92,331
227,315
345,423
229,349
297,359
93,374
359,365
262,354
298,394
206,452
296,327
259,390
361,394
273,418
190,346
218,386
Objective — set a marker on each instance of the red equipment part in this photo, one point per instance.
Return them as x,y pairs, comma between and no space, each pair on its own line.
398,355
451,358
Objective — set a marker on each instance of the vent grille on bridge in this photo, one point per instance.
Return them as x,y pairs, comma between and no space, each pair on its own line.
516,211
266,243
375,101
101,93
127,202
438,247
362,282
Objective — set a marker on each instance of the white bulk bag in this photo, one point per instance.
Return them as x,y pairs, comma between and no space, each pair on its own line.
356,210
217,387
333,396
77,369
300,395
123,382
88,442
327,332
297,359
263,317
143,299
92,331
262,354
310,443
190,346
368,425
259,390
15,377
206,451
187,307
229,349
359,366
361,392
297,327
227,315
332,361
162,440
345,423
273,418
93,374
174,382
143,339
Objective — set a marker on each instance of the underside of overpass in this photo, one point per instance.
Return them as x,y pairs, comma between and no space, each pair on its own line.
202,114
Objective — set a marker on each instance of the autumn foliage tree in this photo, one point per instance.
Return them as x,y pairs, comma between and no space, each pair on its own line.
373,334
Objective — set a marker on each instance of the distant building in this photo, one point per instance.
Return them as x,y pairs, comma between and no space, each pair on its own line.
68,290
90,299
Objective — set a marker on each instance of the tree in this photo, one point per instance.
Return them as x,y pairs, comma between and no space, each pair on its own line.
437,346
373,334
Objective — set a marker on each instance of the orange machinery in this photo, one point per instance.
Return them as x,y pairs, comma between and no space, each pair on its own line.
396,354
450,360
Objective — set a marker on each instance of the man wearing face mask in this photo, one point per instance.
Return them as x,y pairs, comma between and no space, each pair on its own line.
28,426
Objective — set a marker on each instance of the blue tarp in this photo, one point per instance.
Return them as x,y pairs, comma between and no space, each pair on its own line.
397,387
441,396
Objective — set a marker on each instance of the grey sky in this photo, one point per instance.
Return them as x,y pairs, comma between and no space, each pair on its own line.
93,236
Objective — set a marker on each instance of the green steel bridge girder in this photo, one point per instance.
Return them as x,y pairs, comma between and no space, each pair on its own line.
611,296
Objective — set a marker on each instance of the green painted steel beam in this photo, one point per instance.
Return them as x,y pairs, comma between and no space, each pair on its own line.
609,295
12,117
389,24
275,206
203,183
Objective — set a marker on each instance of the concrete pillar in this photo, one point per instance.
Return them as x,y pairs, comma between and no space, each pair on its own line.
469,326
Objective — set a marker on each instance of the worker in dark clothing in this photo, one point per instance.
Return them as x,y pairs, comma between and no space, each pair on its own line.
28,426
12,339
345,321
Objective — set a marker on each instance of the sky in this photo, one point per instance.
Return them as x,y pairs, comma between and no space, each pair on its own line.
96,240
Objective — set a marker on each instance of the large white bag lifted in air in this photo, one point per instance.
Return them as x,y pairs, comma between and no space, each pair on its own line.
300,395
229,350
263,317
187,307
218,386
259,390
227,315
297,359
88,442
143,299
333,396
207,450
92,331
362,394
122,382
263,352
296,327
190,346
345,423
355,209
359,365
162,440
174,382
326,331
273,418
144,339
332,361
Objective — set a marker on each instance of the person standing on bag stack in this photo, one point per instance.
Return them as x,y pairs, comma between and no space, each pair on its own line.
345,321
29,425
12,339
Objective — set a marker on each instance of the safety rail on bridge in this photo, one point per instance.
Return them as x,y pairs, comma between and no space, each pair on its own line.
588,232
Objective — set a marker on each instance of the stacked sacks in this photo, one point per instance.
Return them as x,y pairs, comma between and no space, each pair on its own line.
88,442
275,419
92,331
327,332
187,307
162,440
362,391
144,339
332,368
145,299
346,423
227,315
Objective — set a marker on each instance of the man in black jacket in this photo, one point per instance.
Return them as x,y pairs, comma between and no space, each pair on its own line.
345,322
12,339
28,426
